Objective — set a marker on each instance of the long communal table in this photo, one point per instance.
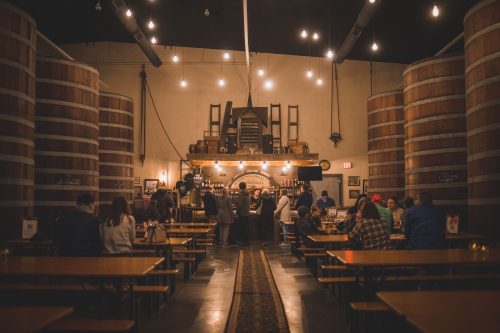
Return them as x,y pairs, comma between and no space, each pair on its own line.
447,311
24,319
191,225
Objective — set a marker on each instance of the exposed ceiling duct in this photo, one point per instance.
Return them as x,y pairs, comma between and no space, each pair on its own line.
364,17
119,7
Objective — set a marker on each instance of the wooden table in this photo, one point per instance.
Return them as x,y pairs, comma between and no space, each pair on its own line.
191,225
97,267
29,319
329,240
381,258
188,231
447,311
172,241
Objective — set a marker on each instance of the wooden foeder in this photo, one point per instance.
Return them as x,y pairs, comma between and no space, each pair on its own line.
17,117
66,135
116,149
435,138
386,144
482,80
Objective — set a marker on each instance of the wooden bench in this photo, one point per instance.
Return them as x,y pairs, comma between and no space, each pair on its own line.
188,264
169,273
76,325
49,287
335,268
337,280
365,308
312,260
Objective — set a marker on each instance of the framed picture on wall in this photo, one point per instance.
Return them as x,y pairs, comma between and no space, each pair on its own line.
353,194
138,192
365,186
150,186
353,180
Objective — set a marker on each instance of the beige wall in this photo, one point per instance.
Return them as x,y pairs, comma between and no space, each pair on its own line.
184,111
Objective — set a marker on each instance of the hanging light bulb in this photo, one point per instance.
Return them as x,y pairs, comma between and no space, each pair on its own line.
222,83
303,34
216,165
226,55
284,168
241,166
261,72
288,165
329,54
372,1
319,81
128,13
184,83
268,84
151,24
153,40
309,73
374,46
315,36
175,58
435,10
264,165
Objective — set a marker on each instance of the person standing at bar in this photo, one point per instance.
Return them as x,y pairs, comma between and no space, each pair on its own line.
283,213
266,217
224,216
210,204
256,198
242,203
305,198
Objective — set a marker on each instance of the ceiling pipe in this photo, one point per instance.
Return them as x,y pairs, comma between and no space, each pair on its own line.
364,17
119,7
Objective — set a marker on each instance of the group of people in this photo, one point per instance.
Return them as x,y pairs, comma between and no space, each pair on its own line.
80,233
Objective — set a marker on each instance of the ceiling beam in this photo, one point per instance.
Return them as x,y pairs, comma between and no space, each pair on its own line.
364,17
119,8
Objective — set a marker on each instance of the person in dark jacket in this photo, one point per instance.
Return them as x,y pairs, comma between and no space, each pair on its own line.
77,232
210,204
423,230
242,203
304,226
266,217
162,205
325,201
305,198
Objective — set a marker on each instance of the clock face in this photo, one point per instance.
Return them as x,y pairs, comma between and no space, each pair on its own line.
325,165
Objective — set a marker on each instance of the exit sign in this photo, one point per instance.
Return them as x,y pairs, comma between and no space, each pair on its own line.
347,165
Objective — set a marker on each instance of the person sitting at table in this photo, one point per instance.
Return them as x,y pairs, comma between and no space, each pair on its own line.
325,202
407,204
353,215
423,229
77,232
304,227
384,213
118,231
396,211
305,198
371,232
316,213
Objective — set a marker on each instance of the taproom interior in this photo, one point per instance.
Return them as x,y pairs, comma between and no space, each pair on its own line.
249,166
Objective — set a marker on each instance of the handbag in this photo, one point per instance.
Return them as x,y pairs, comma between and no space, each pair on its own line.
155,233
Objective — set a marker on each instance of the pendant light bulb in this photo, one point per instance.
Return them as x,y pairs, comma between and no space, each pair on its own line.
222,83
184,83
315,36
372,1
226,56
241,166
261,72
128,13
268,84
175,58
151,24
319,81
374,46
309,73
303,34
153,40
435,10
284,168
264,165
288,165
329,54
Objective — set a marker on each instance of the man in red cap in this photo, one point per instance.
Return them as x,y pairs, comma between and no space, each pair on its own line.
385,214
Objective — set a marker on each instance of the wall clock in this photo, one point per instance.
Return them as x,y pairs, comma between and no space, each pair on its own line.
324,164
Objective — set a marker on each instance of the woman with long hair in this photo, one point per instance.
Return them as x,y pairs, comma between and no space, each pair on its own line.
118,231
371,232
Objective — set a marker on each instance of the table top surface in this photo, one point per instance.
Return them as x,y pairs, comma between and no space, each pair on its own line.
459,236
29,319
26,242
191,224
119,267
172,241
188,230
329,238
365,258
447,311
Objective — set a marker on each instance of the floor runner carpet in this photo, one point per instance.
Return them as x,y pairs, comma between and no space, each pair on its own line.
257,305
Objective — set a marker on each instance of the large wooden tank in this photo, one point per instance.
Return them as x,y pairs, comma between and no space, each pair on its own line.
17,117
435,138
482,77
116,150
386,144
66,135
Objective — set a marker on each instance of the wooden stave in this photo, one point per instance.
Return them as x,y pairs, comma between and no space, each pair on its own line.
425,113
115,121
67,106
17,95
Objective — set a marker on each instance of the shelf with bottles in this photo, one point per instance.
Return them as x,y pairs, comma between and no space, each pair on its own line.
292,185
216,185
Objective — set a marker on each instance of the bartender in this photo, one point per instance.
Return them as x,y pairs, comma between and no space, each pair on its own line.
256,199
